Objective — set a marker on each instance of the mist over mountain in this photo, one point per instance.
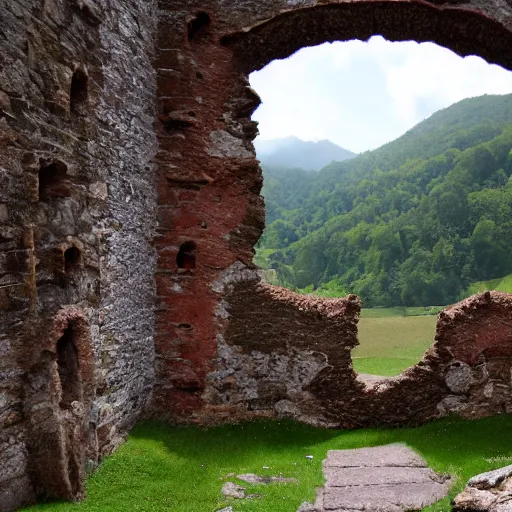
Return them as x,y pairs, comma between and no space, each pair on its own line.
292,152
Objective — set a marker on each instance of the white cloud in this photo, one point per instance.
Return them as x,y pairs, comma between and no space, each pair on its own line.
432,73
361,95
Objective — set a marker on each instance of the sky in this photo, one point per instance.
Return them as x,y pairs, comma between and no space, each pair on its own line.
361,95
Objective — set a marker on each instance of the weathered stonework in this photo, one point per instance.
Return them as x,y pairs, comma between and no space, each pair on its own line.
77,217
129,208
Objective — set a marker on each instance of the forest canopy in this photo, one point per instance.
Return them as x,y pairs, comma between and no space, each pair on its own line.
411,223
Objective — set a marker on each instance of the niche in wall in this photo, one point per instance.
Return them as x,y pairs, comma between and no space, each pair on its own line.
53,180
79,92
186,257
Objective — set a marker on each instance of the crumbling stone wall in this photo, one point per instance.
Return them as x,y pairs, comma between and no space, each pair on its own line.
208,178
286,355
129,208
297,366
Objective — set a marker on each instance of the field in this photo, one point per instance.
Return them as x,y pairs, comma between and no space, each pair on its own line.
389,342
182,469
392,339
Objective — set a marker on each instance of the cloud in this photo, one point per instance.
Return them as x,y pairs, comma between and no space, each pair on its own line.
361,95
435,74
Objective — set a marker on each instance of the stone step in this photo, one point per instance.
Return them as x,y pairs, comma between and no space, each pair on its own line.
390,478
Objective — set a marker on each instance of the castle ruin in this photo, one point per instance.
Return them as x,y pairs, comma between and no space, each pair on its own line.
129,207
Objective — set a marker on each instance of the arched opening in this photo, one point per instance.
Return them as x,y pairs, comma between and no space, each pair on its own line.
68,368
186,257
198,26
71,392
53,180
220,145
78,94
71,260
62,379
417,324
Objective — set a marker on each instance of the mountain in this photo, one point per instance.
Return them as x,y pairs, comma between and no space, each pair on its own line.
291,152
411,223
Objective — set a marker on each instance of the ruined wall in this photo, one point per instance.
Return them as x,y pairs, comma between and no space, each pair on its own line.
289,356
77,217
129,207
208,184
467,371
208,178
282,355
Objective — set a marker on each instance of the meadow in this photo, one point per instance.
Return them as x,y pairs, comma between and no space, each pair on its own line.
182,469
502,284
391,342
393,339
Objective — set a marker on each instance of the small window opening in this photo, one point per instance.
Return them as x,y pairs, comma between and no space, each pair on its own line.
53,181
71,260
79,92
171,124
186,257
198,25
68,367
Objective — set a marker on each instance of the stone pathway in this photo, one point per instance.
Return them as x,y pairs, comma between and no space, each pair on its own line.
389,478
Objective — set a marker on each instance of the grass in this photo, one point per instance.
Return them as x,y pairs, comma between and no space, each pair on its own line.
502,284
182,469
401,311
390,344
393,339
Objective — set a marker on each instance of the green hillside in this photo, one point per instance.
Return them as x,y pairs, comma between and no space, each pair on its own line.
411,223
501,284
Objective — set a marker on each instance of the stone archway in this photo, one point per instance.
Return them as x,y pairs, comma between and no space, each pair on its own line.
209,179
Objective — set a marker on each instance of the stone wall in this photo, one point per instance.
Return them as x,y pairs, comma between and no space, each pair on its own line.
77,218
129,208
282,355
208,178
289,356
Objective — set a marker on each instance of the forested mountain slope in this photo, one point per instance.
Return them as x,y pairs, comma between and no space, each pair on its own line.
411,223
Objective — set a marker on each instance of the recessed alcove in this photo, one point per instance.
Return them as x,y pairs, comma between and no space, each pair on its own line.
79,92
198,26
71,260
68,368
53,180
186,257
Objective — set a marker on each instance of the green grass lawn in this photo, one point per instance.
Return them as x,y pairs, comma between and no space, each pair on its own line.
390,344
182,469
